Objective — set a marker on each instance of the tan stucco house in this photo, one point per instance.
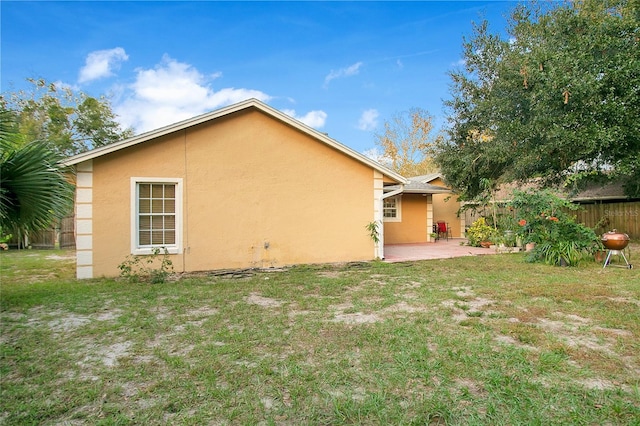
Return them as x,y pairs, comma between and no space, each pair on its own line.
240,187
410,210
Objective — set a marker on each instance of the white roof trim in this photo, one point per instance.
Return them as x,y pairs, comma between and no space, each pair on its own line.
435,190
144,137
392,193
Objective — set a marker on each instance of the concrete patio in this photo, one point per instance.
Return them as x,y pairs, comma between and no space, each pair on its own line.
441,249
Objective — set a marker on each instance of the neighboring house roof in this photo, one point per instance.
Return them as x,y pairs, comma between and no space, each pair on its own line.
419,185
250,103
427,178
600,192
608,191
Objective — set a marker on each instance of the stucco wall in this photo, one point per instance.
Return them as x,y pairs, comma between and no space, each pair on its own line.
413,227
257,193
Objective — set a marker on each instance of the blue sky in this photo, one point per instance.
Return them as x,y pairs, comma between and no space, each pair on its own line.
343,68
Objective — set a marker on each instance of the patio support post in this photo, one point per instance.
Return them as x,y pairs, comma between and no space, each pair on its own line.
429,217
378,186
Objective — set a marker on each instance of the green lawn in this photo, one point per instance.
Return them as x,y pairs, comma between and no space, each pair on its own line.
474,340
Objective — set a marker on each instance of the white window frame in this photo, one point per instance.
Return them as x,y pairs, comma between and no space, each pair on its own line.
398,216
173,248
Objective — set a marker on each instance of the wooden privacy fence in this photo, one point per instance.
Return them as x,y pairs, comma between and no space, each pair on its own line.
67,234
602,217
45,239
62,233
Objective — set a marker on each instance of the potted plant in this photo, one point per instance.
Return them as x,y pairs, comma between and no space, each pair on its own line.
599,251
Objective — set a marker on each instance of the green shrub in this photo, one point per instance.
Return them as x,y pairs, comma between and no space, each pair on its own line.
154,268
479,231
544,220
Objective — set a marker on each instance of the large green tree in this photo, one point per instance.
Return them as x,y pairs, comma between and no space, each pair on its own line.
34,189
72,122
557,98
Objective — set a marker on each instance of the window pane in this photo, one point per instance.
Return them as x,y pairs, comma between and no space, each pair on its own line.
145,223
170,191
157,206
145,238
157,190
157,237
169,222
169,206
170,237
145,190
156,223
144,206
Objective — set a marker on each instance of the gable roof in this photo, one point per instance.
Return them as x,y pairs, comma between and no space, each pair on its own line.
249,103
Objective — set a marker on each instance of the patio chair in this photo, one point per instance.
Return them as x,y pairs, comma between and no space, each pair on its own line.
443,230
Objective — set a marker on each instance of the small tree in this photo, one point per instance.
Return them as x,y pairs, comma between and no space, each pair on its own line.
545,218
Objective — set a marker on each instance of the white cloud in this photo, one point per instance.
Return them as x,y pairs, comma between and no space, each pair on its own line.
368,120
173,91
378,156
315,119
342,72
101,63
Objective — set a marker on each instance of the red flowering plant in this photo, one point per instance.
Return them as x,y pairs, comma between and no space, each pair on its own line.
545,219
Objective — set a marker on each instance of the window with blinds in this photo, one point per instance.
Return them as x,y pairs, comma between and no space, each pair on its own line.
391,209
156,214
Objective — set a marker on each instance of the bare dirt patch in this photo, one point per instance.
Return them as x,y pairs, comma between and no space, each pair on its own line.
330,274
265,302
463,291
596,384
65,321
508,340
356,318
462,310
204,311
106,355
70,256
471,386
405,307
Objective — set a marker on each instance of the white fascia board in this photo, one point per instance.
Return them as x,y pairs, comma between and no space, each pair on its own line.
162,131
116,146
